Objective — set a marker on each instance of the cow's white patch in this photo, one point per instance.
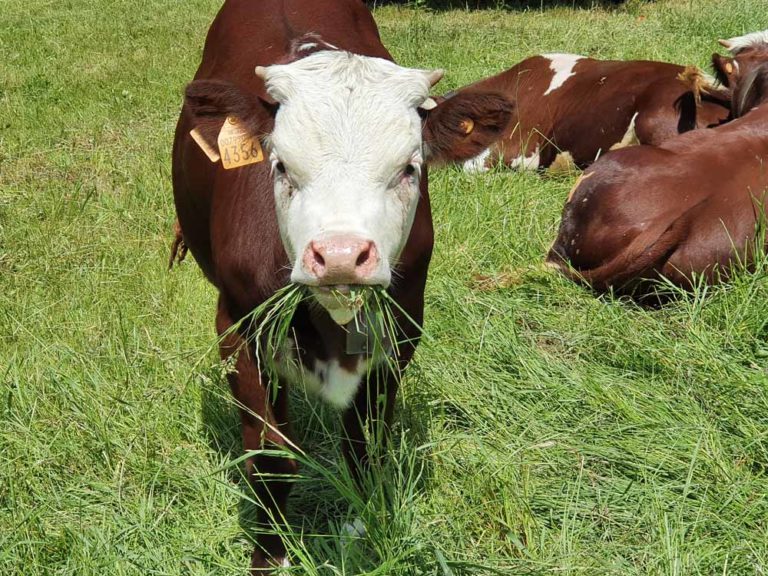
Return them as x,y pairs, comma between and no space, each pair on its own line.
478,163
339,386
285,563
307,46
340,308
329,380
739,43
630,136
341,315
340,162
524,162
562,65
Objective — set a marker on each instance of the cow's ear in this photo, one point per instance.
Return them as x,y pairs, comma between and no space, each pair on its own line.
464,125
211,102
752,91
725,69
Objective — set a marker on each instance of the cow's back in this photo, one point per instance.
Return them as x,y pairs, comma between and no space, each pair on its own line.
593,109
680,208
584,106
249,33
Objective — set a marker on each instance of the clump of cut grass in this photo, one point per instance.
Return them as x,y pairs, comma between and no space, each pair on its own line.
352,300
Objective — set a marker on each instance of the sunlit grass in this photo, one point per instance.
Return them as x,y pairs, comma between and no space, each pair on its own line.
540,429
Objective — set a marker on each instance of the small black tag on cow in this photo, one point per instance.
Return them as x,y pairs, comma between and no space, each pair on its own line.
357,338
366,333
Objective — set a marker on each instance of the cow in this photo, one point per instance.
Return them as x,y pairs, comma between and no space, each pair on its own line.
747,52
300,156
573,108
687,210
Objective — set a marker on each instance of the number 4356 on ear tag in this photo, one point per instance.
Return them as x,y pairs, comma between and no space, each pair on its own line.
236,146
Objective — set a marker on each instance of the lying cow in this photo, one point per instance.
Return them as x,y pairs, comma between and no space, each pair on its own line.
687,209
312,170
580,107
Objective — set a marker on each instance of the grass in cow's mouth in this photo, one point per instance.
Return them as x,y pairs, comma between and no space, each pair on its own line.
373,317
269,324
380,308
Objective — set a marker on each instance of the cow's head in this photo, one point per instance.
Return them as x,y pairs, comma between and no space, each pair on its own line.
747,52
751,90
348,140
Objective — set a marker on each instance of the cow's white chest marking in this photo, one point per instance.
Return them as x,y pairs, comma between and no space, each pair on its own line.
334,383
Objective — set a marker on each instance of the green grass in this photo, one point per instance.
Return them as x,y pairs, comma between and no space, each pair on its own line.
540,430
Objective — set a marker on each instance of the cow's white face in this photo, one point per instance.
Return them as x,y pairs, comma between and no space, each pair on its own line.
346,153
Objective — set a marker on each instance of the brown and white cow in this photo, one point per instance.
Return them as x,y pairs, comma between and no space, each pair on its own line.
334,195
687,209
582,107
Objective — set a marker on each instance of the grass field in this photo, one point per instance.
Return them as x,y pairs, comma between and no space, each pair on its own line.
540,430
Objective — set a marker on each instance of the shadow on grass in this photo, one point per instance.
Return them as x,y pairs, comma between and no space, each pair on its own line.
511,5
313,503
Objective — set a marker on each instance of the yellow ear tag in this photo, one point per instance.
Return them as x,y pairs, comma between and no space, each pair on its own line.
209,150
729,68
236,146
467,125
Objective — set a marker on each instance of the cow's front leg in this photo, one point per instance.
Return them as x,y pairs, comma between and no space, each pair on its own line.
264,419
369,418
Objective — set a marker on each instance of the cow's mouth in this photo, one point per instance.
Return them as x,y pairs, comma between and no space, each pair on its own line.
341,301
343,289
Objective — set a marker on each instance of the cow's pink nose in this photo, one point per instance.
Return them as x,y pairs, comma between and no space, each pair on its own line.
341,260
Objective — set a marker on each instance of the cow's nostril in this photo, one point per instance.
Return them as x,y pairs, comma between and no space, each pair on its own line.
363,257
314,259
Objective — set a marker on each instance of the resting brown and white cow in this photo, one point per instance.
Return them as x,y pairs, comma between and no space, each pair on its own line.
689,208
332,193
582,107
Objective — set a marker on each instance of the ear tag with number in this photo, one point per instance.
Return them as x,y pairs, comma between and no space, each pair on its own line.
236,146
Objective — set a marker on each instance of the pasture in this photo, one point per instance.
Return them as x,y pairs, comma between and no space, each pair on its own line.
539,430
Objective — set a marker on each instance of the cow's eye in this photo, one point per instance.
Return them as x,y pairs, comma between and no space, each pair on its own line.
280,167
409,170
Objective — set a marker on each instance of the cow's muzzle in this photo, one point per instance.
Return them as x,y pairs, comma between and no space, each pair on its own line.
341,260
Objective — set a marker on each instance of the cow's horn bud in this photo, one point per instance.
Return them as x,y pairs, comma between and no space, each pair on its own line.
428,104
434,76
